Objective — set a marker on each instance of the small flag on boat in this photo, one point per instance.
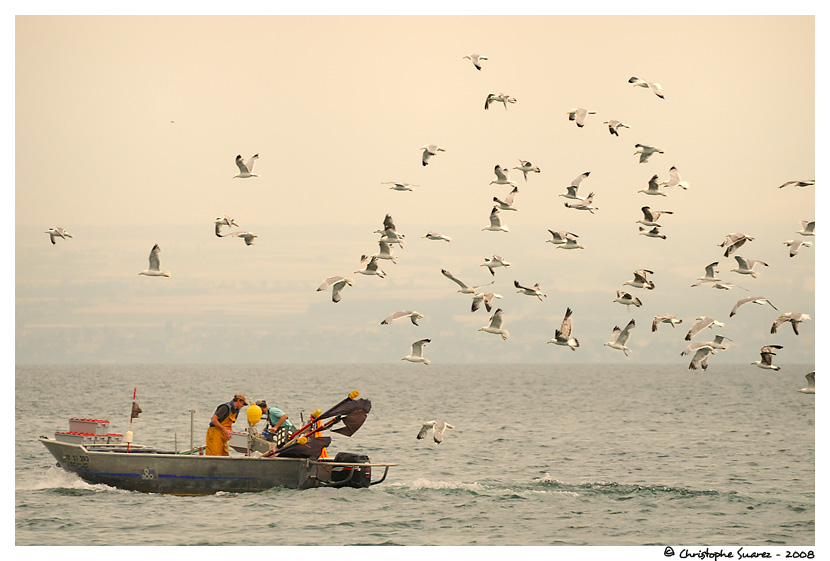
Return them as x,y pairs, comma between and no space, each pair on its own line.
347,407
136,411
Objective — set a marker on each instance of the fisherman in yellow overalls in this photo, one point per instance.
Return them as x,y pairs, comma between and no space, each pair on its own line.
316,425
219,431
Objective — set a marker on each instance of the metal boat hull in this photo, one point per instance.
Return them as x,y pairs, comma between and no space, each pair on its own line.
178,474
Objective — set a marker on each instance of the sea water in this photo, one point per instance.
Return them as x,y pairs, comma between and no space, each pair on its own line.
540,455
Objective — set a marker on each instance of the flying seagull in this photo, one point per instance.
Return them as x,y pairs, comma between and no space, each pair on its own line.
464,288
709,276
153,270
674,180
247,236
385,252
221,222
624,297
717,343
766,358
429,151
570,243
507,203
650,217
417,352
701,356
620,337
525,167
389,233
746,266
795,245
437,428
370,266
560,237
700,324
645,151
793,317
653,188
57,233
578,114
652,233
411,314
803,183
503,97
337,285
665,318
436,236
245,168
808,228
640,280
495,222
495,326
563,334
530,291
502,176
484,297
811,383
614,126
655,87
399,186
574,186
584,204
476,59
753,299
496,261
734,241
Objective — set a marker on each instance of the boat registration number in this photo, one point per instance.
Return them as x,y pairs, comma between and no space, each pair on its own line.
76,462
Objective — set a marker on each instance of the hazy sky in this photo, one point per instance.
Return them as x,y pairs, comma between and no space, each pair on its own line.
127,129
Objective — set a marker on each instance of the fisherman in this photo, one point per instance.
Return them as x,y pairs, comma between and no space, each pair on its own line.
219,431
317,424
277,428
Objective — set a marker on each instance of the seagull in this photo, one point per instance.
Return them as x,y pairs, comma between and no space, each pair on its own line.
709,276
560,237
570,243
502,177
436,236
578,114
624,297
717,343
665,318
725,285
571,193
417,352
526,166
429,151
674,180
385,252
650,217
766,358
411,314
614,125
399,186
640,280
496,321
476,59
811,383
531,291
464,288
153,270
57,233
504,98
507,203
563,334
337,284
495,222
370,266
734,241
700,324
803,183
222,221
655,87
795,245
699,360
247,236
496,261
645,151
584,204
793,317
245,168
620,337
389,233
653,188
486,298
745,266
808,228
753,299
653,233
437,428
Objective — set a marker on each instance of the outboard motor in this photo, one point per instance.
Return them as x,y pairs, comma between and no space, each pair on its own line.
360,476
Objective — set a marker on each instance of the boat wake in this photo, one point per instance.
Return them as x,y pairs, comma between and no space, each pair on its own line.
61,481
620,489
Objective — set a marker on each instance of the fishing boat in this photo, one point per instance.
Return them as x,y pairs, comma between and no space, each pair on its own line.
96,455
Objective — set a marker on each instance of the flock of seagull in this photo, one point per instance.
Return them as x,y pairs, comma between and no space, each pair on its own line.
481,294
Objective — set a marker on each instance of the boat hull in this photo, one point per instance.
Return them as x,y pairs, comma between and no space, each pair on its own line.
178,474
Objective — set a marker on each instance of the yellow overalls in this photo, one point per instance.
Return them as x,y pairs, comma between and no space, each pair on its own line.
215,442
323,453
